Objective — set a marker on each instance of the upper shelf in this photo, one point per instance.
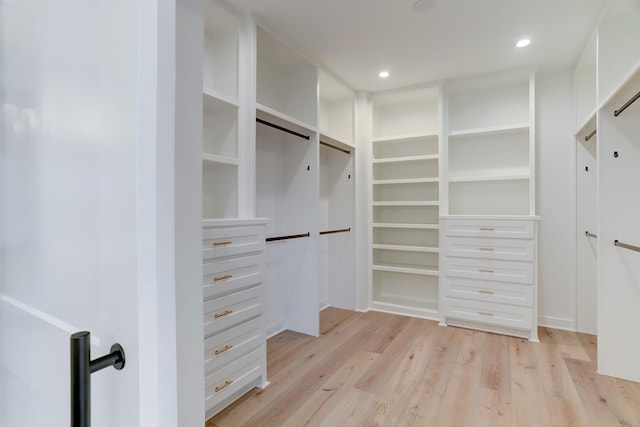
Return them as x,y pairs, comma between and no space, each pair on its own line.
491,130
285,82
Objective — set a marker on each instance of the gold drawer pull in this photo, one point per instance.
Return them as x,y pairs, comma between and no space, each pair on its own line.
222,243
226,276
487,249
225,348
224,313
484,313
226,384
487,229
484,270
485,292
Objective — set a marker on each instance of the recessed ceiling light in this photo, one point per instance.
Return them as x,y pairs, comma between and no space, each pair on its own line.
523,43
383,74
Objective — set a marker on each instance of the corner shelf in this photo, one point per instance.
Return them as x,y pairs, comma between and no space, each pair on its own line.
479,178
406,226
406,268
429,249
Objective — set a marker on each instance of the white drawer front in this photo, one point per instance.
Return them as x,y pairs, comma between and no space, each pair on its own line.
509,249
489,313
227,346
489,228
230,275
222,242
230,310
484,290
232,378
487,269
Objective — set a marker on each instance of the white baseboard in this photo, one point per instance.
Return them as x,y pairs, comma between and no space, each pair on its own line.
274,329
556,323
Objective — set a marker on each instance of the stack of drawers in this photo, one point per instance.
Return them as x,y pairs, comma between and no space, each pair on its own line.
489,274
234,335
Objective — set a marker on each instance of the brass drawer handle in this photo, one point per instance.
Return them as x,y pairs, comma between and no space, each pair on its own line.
487,229
228,242
226,276
222,350
484,270
487,249
484,313
224,313
226,384
485,292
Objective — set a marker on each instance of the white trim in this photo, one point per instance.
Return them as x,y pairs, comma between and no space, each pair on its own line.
556,323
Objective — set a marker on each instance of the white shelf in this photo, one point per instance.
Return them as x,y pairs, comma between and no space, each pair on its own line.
490,130
588,125
406,159
213,158
406,268
405,181
325,137
519,177
215,100
407,203
405,137
401,306
279,118
409,226
406,248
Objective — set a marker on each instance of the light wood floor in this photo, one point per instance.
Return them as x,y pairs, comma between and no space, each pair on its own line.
377,369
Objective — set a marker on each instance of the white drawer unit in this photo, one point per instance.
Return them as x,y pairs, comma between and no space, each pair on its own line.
230,275
488,274
490,291
227,384
229,310
509,229
488,248
227,346
489,269
233,303
222,242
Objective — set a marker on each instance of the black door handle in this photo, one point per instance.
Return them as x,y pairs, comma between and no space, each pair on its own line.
81,369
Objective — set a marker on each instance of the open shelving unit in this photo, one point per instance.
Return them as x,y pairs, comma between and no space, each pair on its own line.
491,146
405,202
220,114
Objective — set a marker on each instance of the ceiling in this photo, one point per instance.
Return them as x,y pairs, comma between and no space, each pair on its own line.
355,39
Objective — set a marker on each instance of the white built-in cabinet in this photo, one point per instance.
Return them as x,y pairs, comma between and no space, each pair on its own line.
607,89
488,236
405,202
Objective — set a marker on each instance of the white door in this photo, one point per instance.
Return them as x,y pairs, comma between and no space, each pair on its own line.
69,228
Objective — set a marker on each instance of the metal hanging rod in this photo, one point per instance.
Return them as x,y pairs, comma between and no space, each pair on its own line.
626,246
334,147
283,129
588,137
624,107
291,236
586,233
342,230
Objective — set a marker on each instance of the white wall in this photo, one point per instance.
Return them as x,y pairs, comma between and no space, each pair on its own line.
555,192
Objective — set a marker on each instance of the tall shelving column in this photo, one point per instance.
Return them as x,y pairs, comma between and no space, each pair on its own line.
336,244
287,183
489,228
584,78
405,205
220,114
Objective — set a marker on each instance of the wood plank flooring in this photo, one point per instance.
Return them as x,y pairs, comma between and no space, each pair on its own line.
378,369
